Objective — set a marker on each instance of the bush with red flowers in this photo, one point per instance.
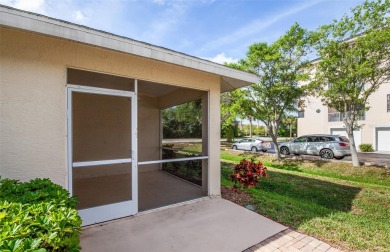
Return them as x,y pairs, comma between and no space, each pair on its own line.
248,173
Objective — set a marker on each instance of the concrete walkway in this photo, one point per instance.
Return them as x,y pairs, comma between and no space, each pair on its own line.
205,225
289,240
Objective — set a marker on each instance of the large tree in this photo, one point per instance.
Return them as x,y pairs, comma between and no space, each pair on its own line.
183,121
229,122
280,68
354,61
234,105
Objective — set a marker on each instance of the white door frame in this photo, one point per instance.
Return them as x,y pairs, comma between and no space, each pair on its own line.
115,210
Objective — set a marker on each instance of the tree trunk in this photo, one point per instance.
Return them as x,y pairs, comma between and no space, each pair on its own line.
290,130
276,147
352,145
274,137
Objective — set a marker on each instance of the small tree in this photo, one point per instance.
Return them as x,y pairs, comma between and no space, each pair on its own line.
354,62
280,70
291,122
242,108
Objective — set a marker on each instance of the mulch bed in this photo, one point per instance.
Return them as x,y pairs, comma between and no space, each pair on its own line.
239,197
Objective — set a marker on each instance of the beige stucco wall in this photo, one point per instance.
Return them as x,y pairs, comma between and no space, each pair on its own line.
313,122
33,78
148,132
376,116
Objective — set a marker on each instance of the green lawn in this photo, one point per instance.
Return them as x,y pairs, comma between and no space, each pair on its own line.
345,206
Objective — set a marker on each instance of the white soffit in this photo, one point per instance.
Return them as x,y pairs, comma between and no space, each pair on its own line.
37,23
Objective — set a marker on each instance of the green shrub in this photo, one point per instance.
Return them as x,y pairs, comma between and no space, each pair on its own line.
194,167
366,148
229,134
168,152
37,216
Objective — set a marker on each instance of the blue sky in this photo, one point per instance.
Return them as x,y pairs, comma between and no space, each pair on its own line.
218,30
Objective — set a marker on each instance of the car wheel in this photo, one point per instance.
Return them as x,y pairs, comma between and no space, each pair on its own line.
234,147
284,150
326,153
264,150
254,150
339,158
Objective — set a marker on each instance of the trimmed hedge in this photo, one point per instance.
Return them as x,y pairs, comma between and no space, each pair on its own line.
37,216
366,148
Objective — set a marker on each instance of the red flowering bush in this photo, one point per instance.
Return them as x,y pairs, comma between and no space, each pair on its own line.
248,173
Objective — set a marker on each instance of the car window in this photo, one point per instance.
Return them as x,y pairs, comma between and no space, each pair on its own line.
311,139
344,139
321,139
300,140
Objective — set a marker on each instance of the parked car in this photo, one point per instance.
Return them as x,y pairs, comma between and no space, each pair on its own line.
251,144
326,146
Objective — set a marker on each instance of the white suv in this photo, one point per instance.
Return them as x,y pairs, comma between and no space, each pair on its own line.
253,145
326,146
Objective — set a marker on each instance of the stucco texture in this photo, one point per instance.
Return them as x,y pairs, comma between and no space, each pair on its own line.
33,78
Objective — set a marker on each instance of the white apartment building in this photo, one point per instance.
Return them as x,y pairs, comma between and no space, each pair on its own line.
319,119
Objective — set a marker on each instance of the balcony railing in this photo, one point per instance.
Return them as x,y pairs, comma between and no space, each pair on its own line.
338,117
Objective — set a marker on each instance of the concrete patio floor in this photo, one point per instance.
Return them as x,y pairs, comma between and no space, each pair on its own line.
156,189
204,225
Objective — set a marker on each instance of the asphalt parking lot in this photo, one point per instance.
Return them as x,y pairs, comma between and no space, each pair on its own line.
373,158
365,158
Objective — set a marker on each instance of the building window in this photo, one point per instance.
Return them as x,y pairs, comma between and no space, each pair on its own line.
336,116
301,114
388,103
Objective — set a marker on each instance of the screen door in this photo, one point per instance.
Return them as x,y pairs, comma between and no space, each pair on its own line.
102,152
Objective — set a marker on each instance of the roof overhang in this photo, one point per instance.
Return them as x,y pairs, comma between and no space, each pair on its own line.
14,18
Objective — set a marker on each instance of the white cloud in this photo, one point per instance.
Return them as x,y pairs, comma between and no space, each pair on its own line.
37,6
253,28
165,22
79,16
221,59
